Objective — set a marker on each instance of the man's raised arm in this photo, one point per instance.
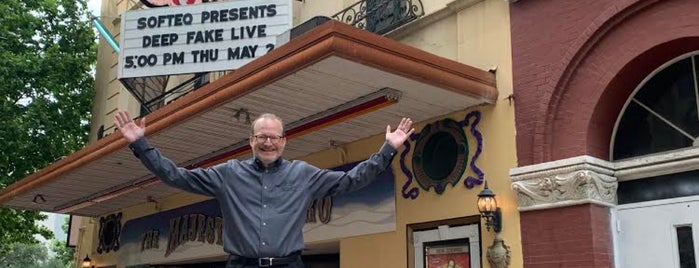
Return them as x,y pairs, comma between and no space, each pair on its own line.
206,181
325,182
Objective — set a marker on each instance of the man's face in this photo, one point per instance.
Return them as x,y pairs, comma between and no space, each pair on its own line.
267,142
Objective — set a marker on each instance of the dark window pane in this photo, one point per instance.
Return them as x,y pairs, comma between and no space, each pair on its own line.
685,244
640,133
671,94
660,187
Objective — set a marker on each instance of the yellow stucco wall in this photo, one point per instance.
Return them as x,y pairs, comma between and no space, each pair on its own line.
389,249
110,95
474,32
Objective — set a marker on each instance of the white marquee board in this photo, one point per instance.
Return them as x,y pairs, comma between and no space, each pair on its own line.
200,38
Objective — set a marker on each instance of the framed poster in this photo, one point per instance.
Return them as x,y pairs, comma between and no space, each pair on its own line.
447,254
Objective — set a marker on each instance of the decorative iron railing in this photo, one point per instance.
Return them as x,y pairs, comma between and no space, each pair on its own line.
380,16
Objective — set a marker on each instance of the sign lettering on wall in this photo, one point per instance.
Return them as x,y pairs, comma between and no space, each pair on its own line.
200,38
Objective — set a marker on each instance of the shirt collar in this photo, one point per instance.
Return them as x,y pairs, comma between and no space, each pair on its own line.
260,166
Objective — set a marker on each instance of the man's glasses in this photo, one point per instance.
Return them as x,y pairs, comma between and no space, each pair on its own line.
264,138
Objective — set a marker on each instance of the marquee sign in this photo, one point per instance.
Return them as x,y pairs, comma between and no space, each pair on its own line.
200,38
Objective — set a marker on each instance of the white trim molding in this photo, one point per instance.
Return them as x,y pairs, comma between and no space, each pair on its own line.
566,182
586,179
659,164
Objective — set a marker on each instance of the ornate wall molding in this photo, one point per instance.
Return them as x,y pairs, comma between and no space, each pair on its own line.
567,182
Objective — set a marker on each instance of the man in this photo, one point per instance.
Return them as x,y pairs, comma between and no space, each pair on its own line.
263,200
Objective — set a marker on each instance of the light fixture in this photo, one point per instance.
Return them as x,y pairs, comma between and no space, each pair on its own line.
488,207
242,111
39,199
87,262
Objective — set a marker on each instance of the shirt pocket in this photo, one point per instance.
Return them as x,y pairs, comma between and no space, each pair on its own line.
287,197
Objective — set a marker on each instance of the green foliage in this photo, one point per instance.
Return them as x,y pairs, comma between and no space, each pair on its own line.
47,51
29,256
19,227
24,255
64,254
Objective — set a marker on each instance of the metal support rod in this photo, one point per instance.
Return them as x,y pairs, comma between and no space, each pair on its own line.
104,33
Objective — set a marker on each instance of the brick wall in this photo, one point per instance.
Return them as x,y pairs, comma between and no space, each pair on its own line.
576,236
576,62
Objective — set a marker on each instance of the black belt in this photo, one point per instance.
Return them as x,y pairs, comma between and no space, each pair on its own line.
264,262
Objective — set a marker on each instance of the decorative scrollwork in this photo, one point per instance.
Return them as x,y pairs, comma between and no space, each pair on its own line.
380,16
578,185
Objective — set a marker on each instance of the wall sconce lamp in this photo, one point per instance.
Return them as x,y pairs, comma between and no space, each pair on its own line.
498,254
87,262
488,207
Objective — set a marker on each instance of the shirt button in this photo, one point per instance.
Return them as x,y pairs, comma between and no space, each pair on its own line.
264,224
264,243
264,186
264,206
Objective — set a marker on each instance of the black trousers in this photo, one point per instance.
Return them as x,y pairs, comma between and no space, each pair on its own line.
297,264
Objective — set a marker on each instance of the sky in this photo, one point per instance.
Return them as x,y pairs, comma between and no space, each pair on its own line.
94,6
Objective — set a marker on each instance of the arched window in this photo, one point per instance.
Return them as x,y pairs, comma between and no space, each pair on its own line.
663,113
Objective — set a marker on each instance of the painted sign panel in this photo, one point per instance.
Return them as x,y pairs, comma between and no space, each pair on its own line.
177,234
196,231
200,38
366,211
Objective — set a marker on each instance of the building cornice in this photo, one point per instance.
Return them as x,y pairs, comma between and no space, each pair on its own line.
586,179
567,182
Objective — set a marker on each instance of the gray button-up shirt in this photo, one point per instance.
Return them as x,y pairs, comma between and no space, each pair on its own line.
264,209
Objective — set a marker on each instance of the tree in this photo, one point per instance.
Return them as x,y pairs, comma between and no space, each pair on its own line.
47,52
24,255
29,256
64,254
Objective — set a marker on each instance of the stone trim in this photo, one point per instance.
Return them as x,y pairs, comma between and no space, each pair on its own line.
567,182
676,161
586,179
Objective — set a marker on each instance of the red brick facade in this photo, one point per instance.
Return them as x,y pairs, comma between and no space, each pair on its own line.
577,236
575,64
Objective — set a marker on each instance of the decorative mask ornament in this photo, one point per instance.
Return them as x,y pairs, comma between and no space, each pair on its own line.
109,232
440,155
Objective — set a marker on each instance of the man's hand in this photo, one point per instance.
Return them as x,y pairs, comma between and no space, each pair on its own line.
128,127
402,133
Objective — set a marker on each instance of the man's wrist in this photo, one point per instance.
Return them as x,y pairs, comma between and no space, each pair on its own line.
388,149
139,146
